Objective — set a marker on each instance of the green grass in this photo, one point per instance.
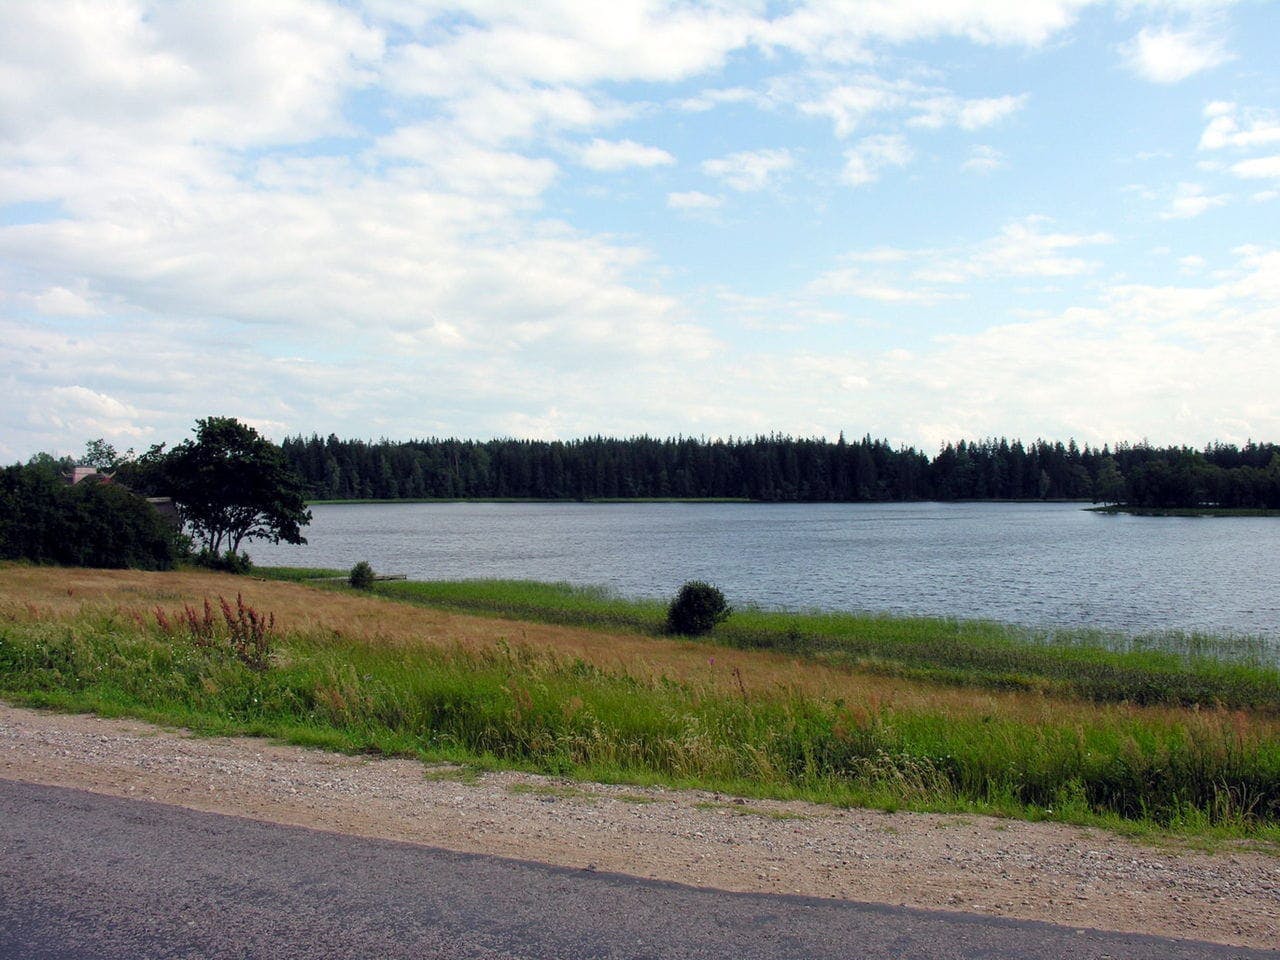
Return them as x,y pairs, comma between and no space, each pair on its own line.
1202,774
296,574
1189,511
1181,669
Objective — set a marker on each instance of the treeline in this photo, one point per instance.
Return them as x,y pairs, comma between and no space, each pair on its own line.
780,468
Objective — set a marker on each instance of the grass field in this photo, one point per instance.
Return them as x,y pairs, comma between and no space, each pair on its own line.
616,702
1184,669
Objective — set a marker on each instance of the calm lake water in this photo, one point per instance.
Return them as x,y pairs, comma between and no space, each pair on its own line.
1033,564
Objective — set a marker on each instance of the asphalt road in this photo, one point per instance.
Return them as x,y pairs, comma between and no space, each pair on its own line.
88,876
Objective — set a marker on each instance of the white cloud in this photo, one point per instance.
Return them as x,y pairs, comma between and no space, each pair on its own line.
1189,200
1259,168
751,169
1176,363
433,156
840,30
710,99
872,154
84,413
1022,249
693,200
851,102
346,213
620,154
1166,55
855,282
1231,127
984,159
61,302
942,111
567,44
847,105
240,73
495,114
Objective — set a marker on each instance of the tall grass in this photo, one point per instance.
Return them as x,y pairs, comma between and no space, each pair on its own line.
1184,669
519,706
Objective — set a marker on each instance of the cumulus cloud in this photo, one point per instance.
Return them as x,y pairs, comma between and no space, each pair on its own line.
749,170
1166,55
1115,368
853,102
966,114
1025,248
711,98
841,30
1231,126
238,73
872,154
360,217
620,154
693,200
849,104
1259,168
1189,200
984,159
61,302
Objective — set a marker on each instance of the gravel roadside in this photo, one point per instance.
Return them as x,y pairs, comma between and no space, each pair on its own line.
1063,874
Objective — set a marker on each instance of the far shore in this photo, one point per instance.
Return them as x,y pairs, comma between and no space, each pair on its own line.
694,500
1187,511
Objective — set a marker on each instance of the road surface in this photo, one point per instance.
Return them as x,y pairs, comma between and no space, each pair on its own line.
100,878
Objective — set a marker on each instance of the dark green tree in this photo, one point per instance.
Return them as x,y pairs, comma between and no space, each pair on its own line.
1110,486
43,519
229,485
102,456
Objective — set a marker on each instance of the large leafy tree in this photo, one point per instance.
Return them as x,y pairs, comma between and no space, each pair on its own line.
229,485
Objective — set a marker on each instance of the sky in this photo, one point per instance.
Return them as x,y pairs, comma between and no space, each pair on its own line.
923,220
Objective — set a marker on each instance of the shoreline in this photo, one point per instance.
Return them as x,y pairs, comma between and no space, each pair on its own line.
623,501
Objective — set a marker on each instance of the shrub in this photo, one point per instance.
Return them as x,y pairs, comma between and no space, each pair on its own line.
361,576
229,562
696,609
45,520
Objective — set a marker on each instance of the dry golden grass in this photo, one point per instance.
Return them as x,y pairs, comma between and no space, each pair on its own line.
56,593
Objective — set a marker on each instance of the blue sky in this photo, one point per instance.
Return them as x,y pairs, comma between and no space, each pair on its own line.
922,220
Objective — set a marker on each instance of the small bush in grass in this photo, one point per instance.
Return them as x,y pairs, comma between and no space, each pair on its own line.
697,608
229,562
361,576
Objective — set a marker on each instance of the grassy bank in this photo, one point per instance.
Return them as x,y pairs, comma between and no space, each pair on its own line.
360,673
1189,511
1185,669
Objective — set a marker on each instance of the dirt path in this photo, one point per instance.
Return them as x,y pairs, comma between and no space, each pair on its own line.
1063,874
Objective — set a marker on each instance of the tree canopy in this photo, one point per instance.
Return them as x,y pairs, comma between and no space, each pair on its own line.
44,519
229,485
787,469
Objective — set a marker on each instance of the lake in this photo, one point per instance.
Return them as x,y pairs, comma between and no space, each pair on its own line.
1027,563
